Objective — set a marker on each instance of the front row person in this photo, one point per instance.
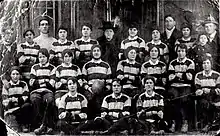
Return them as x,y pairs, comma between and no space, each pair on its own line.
16,102
72,107
42,83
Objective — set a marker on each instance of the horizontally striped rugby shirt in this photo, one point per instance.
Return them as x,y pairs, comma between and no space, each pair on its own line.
186,67
85,48
116,106
74,103
136,42
64,72
148,102
164,52
28,51
157,70
211,80
59,46
129,70
16,90
44,76
96,70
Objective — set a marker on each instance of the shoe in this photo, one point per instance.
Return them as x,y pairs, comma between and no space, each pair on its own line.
206,128
103,132
62,133
25,129
152,132
49,131
40,130
173,127
160,132
184,128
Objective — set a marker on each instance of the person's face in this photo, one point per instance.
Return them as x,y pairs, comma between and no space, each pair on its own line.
169,23
149,85
42,58
72,87
62,34
109,33
207,65
86,31
154,53
181,53
96,52
67,58
210,28
29,36
44,27
15,76
132,32
186,32
203,39
116,87
156,35
132,54
8,35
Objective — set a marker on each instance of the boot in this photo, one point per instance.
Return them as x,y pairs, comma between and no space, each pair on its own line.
42,129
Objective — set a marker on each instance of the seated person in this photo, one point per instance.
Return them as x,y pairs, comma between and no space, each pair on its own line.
16,101
207,83
42,83
72,107
114,107
63,72
150,110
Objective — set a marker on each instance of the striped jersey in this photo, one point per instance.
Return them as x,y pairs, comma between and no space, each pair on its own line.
153,102
130,71
189,42
84,47
76,103
157,70
116,107
16,90
164,52
44,76
64,72
186,67
96,70
210,80
28,51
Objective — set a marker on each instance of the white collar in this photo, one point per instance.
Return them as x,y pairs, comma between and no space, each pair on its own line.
44,35
171,29
46,65
64,65
152,63
212,36
12,83
129,37
207,75
96,61
85,40
26,43
75,95
113,96
157,43
130,62
60,42
153,94
188,39
182,60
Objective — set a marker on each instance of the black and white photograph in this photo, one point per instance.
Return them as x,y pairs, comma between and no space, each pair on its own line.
109,67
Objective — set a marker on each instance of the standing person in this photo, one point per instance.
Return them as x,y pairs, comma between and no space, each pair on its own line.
59,46
16,101
84,44
8,51
210,25
180,77
156,41
65,71
133,40
170,35
155,68
110,46
42,83
27,54
72,107
207,84
97,76
44,39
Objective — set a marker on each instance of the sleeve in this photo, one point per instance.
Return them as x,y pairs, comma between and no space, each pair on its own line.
104,108
25,90
127,106
197,82
119,71
52,77
84,104
62,105
190,72
171,72
109,74
144,71
218,82
20,51
142,46
79,76
84,77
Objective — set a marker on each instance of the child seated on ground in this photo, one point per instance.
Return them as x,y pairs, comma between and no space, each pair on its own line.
16,101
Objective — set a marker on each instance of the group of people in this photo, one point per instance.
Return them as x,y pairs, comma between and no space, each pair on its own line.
111,85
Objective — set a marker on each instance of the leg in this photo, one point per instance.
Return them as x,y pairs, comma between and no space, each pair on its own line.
36,101
48,98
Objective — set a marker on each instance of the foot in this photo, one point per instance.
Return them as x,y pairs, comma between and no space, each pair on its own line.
173,127
49,130
206,128
25,129
184,128
40,130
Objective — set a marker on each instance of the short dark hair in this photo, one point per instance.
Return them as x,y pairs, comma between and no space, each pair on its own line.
88,25
117,80
169,15
63,28
75,80
181,46
147,78
151,47
67,51
44,18
207,57
45,52
28,30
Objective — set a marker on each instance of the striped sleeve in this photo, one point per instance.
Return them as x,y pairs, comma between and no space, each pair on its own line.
104,107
